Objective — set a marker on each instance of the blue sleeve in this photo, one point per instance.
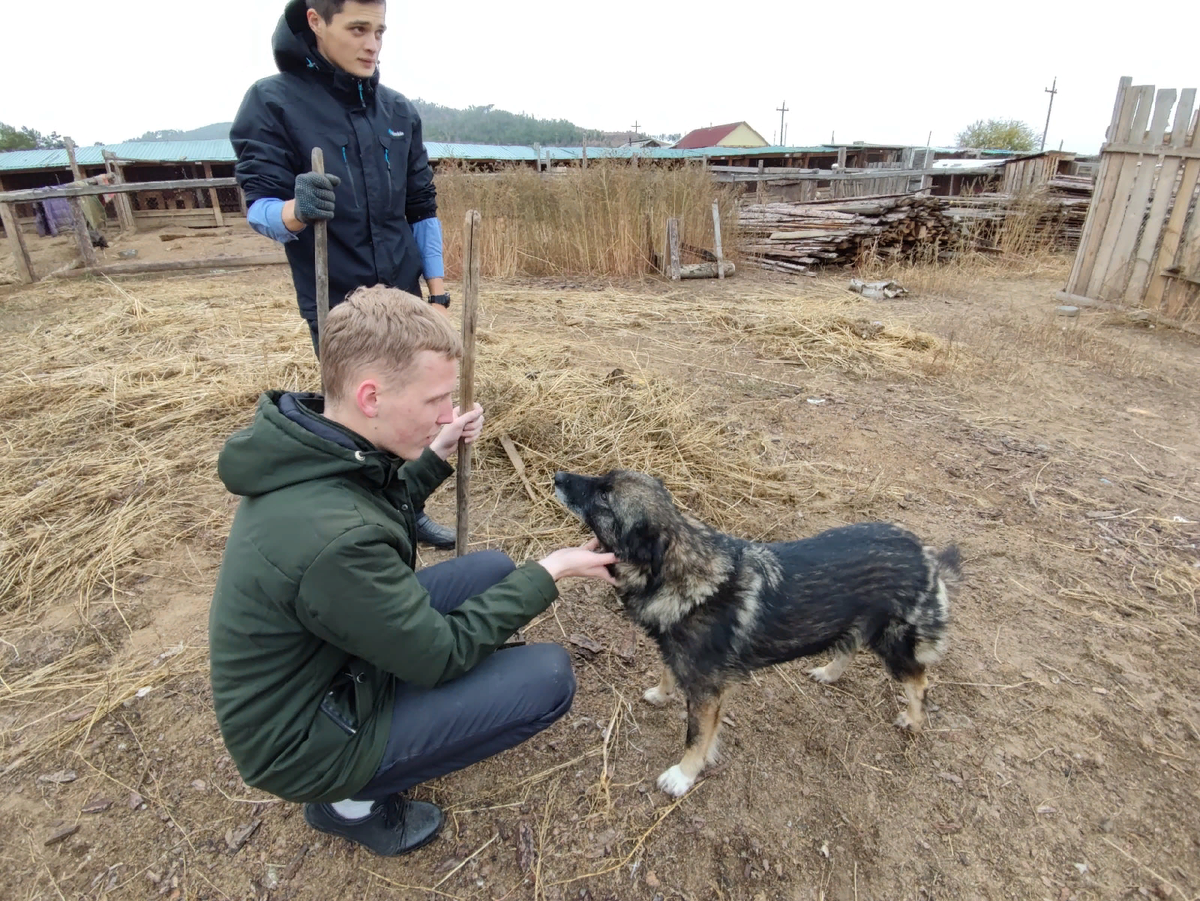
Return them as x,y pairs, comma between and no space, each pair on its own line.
266,218
428,233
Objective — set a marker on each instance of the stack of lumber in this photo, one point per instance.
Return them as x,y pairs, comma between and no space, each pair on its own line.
794,237
1060,207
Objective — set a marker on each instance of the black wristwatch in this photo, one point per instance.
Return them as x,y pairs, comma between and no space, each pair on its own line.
443,299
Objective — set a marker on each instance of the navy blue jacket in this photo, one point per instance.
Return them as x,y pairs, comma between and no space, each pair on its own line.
371,137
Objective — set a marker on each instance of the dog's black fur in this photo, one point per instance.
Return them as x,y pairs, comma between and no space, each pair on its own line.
719,606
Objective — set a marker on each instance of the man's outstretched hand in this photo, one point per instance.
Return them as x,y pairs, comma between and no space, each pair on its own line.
583,562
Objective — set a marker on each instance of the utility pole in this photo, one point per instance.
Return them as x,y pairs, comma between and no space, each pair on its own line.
1052,90
781,109
635,126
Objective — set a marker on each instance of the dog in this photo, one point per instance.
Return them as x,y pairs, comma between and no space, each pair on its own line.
719,607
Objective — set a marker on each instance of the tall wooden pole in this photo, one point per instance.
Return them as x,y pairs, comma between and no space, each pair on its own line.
466,390
321,242
71,161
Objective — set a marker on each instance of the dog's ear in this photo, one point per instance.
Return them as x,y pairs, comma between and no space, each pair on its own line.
646,547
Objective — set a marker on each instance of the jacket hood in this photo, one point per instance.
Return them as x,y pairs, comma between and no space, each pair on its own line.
289,443
295,48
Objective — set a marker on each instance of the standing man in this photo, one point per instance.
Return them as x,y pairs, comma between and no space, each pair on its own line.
377,196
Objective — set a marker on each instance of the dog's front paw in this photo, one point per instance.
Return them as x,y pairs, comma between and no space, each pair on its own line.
908,723
821,674
655,696
674,782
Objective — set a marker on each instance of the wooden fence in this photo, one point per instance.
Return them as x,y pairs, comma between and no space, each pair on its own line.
72,193
1141,239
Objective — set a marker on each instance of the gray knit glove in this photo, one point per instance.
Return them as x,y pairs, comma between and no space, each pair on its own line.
314,196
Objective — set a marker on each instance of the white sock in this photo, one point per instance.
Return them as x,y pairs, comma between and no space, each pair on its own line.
352,810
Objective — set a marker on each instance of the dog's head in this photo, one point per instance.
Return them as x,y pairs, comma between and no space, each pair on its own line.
632,515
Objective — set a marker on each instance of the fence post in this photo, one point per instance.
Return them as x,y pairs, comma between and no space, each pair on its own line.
120,201
82,235
17,242
717,239
212,195
673,249
71,161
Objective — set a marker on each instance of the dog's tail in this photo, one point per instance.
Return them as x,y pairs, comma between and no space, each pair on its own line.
948,564
933,613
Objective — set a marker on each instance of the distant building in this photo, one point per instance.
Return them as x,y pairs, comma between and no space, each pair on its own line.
735,134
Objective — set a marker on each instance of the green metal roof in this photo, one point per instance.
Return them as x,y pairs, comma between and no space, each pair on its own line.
222,152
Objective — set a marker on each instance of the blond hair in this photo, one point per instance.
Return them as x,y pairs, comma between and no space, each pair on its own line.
382,328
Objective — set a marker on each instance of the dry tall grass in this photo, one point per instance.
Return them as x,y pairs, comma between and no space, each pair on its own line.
601,221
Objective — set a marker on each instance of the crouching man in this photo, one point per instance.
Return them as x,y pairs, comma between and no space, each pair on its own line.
341,676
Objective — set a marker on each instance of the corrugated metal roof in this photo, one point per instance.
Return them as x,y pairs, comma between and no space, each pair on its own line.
439,150
222,151
142,151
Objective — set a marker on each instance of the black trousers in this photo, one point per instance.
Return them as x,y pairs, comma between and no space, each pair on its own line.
509,697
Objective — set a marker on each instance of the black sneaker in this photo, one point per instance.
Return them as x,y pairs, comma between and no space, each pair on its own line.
393,827
429,532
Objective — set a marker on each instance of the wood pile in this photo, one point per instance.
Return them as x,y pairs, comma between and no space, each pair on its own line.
799,237
1060,207
794,237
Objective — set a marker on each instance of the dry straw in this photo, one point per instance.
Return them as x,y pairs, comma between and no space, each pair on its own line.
113,418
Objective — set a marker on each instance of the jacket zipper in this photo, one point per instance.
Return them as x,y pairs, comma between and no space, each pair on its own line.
350,176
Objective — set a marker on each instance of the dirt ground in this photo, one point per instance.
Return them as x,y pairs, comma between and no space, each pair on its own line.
1061,454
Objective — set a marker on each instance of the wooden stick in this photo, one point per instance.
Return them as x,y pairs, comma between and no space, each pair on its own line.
466,390
17,242
321,246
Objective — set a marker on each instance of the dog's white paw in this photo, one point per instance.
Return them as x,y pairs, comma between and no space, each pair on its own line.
906,722
821,674
674,782
655,696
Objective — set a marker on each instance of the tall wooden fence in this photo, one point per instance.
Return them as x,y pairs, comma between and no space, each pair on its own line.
1141,240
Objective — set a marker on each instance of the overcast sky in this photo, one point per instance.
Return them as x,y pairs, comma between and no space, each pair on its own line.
885,73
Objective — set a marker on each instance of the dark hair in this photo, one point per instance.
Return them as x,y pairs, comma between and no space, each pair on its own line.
327,9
